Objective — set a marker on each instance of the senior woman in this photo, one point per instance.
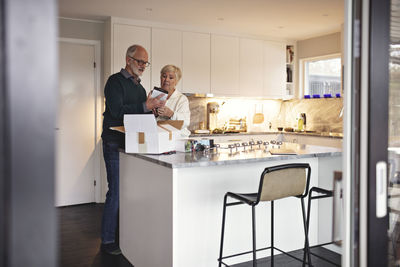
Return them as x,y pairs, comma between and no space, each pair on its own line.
177,104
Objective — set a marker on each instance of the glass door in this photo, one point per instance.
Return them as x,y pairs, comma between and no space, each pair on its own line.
394,137
372,133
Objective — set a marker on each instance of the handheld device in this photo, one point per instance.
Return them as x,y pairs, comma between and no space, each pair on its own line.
159,91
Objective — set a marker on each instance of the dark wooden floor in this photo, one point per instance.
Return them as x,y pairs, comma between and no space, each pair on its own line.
79,242
286,261
79,238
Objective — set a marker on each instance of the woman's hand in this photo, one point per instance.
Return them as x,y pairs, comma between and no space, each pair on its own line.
165,112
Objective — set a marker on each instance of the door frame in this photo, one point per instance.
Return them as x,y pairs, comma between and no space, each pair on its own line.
98,110
366,80
378,75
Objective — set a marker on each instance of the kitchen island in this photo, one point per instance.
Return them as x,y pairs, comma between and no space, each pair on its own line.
171,205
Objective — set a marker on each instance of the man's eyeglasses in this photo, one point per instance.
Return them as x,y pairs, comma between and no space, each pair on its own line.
141,62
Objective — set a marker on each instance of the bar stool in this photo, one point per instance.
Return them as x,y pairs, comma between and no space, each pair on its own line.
275,183
321,193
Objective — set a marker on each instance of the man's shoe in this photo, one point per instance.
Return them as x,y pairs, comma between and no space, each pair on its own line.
111,249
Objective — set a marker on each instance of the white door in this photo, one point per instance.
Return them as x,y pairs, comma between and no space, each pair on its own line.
75,163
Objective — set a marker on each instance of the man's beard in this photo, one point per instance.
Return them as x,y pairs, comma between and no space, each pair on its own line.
135,70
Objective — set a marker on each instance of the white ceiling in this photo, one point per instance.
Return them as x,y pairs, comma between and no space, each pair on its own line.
286,19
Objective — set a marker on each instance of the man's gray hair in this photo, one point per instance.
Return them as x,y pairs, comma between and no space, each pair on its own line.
131,50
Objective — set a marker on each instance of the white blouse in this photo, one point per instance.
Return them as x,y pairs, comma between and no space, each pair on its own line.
179,104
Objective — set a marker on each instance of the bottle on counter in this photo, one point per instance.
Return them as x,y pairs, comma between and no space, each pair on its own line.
300,124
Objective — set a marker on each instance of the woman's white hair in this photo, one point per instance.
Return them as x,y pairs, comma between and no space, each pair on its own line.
174,69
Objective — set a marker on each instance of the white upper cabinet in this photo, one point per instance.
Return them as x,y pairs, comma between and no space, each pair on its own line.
224,65
251,68
274,69
166,49
124,36
211,63
196,63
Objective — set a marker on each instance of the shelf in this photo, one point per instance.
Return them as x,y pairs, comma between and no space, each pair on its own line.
290,88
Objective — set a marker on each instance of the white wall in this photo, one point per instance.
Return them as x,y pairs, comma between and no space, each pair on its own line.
319,46
83,29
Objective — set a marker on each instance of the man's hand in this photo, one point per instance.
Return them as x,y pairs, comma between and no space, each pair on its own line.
165,112
154,102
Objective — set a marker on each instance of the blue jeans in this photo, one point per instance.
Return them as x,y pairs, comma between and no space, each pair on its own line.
109,223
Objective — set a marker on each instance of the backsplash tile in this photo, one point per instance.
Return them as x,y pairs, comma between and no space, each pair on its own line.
323,115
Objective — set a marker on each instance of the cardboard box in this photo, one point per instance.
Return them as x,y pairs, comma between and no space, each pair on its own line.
143,134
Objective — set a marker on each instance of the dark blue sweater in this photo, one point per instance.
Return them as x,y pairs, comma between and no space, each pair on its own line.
123,96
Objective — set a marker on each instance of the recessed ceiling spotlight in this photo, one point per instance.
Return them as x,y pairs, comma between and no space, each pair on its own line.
149,9
220,19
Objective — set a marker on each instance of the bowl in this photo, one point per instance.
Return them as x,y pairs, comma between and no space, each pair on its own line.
280,129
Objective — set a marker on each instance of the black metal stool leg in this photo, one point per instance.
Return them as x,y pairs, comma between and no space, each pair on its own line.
253,219
272,233
222,233
306,243
323,193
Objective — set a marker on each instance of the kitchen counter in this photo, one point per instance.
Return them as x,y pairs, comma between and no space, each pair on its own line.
316,134
224,157
171,205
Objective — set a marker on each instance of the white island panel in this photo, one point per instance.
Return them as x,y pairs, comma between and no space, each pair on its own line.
198,202
172,216
145,212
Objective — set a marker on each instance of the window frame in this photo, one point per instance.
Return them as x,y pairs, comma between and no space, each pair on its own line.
302,70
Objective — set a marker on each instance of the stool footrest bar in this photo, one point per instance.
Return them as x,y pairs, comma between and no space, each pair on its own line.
243,253
234,203
321,191
260,249
317,197
287,254
320,245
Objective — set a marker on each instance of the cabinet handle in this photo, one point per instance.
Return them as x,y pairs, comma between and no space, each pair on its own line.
381,189
337,208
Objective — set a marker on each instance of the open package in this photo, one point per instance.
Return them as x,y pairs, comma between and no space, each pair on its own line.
143,134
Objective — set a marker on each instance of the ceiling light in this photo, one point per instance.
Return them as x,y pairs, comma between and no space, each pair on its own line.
220,19
149,9
325,15
281,27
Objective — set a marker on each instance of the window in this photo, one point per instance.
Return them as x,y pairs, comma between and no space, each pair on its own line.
322,77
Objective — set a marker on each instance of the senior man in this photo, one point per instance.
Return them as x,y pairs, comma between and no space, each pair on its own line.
124,95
